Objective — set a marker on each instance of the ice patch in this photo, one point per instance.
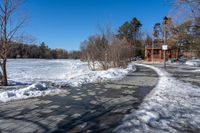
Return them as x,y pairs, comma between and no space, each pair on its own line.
76,115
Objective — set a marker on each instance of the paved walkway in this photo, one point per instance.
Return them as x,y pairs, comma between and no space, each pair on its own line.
90,108
185,74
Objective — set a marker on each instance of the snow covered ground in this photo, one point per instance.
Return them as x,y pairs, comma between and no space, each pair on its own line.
72,72
185,68
34,90
28,71
172,106
193,63
35,72
188,66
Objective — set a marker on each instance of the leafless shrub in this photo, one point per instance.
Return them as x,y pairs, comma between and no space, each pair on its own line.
97,51
120,52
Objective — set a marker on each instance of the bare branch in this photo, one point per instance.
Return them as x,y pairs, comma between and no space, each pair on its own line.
7,13
13,31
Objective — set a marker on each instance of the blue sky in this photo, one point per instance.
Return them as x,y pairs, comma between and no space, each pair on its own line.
66,23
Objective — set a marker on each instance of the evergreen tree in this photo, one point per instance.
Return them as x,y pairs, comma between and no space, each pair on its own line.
131,32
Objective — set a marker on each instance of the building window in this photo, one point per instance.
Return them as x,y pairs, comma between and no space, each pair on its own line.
156,52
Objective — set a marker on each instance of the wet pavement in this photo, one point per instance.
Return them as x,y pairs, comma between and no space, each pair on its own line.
91,108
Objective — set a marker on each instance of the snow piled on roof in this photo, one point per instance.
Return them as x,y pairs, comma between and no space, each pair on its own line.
172,106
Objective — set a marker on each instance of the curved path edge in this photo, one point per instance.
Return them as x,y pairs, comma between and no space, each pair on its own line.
97,108
172,106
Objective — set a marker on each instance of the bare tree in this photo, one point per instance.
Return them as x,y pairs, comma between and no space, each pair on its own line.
8,30
188,31
95,49
194,5
106,50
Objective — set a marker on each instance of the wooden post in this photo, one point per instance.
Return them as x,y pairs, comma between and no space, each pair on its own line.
164,59
153,51
165,20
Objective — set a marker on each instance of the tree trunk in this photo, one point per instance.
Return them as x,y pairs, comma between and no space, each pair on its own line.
1,78
5,81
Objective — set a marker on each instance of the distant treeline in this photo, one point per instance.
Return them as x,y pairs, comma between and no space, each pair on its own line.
42,52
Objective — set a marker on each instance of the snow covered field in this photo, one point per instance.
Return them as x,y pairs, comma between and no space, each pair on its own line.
172,106
35,73
71,72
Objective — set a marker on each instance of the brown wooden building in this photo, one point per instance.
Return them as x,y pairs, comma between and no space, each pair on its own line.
158,56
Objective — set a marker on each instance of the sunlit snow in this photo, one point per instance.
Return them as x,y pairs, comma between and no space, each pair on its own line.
34,90
172,106
36,72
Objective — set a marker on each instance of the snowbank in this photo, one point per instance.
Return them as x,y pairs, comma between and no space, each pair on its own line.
172,106
197,70
195,63
34,90
99,76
